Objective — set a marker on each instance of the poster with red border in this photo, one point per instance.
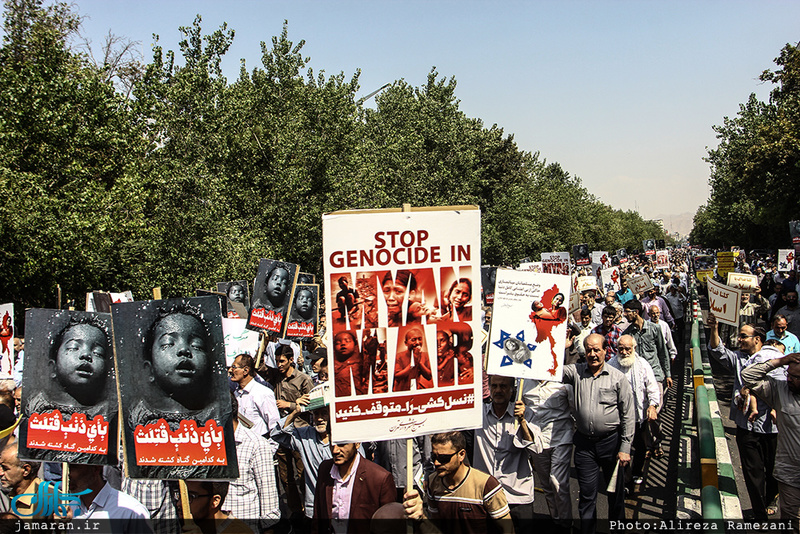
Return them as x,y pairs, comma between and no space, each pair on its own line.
403,310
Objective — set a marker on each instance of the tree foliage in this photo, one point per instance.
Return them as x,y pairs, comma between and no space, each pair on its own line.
166,174
755,170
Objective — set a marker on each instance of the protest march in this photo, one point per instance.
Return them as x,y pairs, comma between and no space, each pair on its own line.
408,384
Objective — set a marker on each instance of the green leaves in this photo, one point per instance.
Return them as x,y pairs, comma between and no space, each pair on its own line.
193,179
755,170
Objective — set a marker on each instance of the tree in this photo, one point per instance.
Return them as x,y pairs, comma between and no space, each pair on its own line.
755,170
65,141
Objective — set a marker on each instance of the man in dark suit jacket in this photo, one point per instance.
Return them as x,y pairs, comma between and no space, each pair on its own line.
350,489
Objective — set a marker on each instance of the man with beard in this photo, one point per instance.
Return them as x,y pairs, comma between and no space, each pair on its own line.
461,499
784,397
756,433
349,491
646,396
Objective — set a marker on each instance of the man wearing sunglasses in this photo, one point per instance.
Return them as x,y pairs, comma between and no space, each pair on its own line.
461,499
784,397
756,433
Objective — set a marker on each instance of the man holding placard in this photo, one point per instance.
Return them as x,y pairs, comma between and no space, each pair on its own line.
756,433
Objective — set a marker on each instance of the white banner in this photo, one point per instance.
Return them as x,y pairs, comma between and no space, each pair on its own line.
601,257
529,325
406,357
785,259
555,263
662,259
640,283
723,302
746,282
238,339
611,279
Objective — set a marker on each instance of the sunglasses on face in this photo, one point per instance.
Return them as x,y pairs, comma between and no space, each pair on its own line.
442,458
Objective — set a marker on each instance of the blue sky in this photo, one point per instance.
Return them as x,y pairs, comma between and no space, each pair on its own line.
622,94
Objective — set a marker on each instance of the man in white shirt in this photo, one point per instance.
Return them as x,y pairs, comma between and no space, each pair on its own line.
500,455
103,503
256,401
655,317
549,444
646,395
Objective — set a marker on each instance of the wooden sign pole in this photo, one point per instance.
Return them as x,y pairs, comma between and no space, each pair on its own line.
186,512
157,293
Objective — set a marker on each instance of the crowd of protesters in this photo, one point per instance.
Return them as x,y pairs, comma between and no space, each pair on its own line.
603,419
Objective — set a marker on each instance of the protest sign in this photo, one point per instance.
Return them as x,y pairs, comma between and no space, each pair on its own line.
662,259
238,339
597,269
611,279
303,312
272,292
794,232
743,281
306,278
488,274
529,325
723,302
403,366
601,257
555,263
533,266
725,263
69,393
237,293
6,341
660,244
640,283
704,263
586,283
173,385
574,302
786,259
649,246
581,254
622,254
101,301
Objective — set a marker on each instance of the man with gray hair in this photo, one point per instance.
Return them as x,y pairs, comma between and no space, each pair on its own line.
646,396
655,318
18,479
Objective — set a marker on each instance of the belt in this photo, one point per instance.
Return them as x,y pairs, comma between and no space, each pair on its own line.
598,437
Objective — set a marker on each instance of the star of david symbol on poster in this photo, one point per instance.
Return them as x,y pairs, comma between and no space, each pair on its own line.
500,343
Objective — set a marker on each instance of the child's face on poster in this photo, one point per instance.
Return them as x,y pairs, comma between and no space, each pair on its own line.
277,285
81,358
304,303
180,353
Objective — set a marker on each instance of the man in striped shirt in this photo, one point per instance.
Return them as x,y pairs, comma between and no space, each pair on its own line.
461,499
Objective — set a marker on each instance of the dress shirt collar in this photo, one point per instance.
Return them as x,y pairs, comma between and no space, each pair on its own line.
335,471
489,409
